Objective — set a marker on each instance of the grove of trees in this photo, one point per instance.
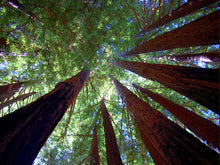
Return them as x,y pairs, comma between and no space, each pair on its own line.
109,82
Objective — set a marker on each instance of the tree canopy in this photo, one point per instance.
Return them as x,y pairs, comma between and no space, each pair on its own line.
45,42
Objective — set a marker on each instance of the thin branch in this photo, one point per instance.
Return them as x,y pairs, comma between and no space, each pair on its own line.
71,110
139,57
135,13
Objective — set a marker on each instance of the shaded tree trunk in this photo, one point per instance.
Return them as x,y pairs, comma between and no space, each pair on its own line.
167,142
205,57
24,132
204,128
94,152
3,43
9,90
201,32
17,5
21,97
183,10
10,87
198,84
112,150
6,96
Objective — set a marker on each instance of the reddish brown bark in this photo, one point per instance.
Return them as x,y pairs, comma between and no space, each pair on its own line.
9,90
112,150
21,97
204,128
10,87
6,96
198,84
205,57
24,132
201,32
167,142
94,152
183,10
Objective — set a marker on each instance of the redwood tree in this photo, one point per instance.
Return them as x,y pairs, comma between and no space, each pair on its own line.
201,32
183,10
3,43
112,150
202,127
167,142
24,132
94,152
198,84
10,87
17,5
9,90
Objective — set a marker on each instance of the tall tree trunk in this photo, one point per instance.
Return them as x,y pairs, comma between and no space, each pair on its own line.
3,43
6,96
10,87
112,150
198,84
205,57
94,152
21,97
17,5
167,142
201,32
183,10
204,128
24,132
9,90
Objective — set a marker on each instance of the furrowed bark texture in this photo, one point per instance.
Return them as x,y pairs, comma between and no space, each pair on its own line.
112,150
24,132
21,97
202,127
167,142
198,84
94,152
201,32
205,57
183,10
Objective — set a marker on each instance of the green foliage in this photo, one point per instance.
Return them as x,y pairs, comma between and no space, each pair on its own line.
67,36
